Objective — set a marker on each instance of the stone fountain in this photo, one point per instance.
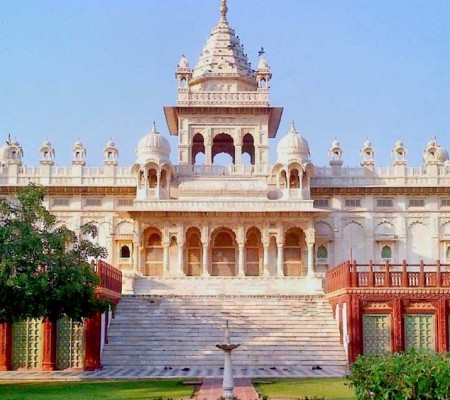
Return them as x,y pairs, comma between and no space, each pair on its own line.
228,382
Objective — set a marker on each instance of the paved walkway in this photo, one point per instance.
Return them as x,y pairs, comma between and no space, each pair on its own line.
167,372
212,389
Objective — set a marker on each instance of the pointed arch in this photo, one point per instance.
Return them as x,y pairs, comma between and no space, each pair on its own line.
223,252
193,252
294,244
253,252
198,147
223,143
248,147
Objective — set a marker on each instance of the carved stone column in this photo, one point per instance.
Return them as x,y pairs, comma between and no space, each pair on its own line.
49,353
208,151
205,259
310,241
166,248
241,260
310,259
5,346
266,243
280,259
180,264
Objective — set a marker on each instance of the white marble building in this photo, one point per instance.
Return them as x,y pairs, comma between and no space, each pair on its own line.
282,224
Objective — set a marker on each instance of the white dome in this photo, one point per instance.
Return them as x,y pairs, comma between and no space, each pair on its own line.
263,65
292,147
153,147
184,63
434,153
4,153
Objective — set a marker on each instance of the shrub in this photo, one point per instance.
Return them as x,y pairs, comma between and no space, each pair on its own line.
414,375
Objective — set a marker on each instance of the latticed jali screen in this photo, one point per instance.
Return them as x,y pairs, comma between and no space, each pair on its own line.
27,344
377,334
70,352
420,331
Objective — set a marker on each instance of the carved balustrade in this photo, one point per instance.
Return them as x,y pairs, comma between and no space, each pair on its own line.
387,275
110,277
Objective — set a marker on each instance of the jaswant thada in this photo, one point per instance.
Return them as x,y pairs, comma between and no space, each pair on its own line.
311,266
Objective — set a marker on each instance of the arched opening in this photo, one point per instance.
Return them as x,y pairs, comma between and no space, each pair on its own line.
183,83
153,253
386,252
322,252
152,178
223,143
198,147
193,252
248,147
125,252
263,84
293,241
294,180
447,254
224,253
253,253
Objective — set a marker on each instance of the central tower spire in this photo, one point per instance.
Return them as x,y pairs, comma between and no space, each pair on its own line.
223,11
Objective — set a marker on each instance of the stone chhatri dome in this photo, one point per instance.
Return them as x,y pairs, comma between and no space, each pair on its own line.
153,147
292,147
223,56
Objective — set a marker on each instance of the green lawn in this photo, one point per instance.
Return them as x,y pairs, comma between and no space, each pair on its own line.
109,390
330,388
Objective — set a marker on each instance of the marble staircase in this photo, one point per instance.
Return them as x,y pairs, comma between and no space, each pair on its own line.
275,332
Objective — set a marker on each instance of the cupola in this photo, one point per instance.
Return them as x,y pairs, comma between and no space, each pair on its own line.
111,153
335,153
47,153
292,147
78,154
153,147
367,154
434,154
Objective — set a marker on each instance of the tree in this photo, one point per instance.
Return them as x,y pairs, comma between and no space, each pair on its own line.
44,266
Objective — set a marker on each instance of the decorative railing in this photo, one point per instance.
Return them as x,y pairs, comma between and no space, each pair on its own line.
110,277
379,176
353,275
214,170
187,98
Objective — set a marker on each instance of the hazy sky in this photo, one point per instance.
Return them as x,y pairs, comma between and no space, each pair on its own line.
351,69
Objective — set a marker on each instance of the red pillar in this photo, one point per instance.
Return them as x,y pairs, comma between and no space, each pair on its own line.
5,346
354,320
50,333
397,326
442,326
93,332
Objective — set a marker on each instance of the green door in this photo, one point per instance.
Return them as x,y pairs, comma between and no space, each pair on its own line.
377,334
70,350
27,344
420,331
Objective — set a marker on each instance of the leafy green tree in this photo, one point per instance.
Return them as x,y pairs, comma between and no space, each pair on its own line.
44,266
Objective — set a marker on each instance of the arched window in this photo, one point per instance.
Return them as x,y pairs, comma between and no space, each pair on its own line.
386,252
125,252
194,253
447,253
153,254
322,252
223,143
198,147
293,252
224,254
294,181
248,147
152,179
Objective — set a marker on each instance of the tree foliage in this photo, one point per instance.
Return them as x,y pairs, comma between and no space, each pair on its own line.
414,374
44,266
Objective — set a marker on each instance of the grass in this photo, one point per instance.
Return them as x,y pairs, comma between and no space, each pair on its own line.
330,388
105,390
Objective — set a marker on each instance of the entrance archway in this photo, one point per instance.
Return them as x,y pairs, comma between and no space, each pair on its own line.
253,253
223,143
153,253
224,253
293,245
193,252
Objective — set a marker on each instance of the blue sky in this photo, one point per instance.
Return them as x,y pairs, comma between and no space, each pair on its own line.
351,69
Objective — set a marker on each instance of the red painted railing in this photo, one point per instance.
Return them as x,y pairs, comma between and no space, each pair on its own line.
372,275
110,277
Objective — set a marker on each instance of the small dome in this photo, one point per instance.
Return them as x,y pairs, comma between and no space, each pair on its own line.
153,147
46,143
367,143
434,153
398,144
78,144
335,143
292,147
110,143
184,63
263,65
4,153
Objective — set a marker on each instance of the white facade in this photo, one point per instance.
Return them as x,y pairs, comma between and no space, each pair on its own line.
249,218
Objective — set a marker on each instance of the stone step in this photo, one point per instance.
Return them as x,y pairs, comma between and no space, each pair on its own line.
181,331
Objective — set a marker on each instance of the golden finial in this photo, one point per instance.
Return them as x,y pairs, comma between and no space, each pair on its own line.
224,9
